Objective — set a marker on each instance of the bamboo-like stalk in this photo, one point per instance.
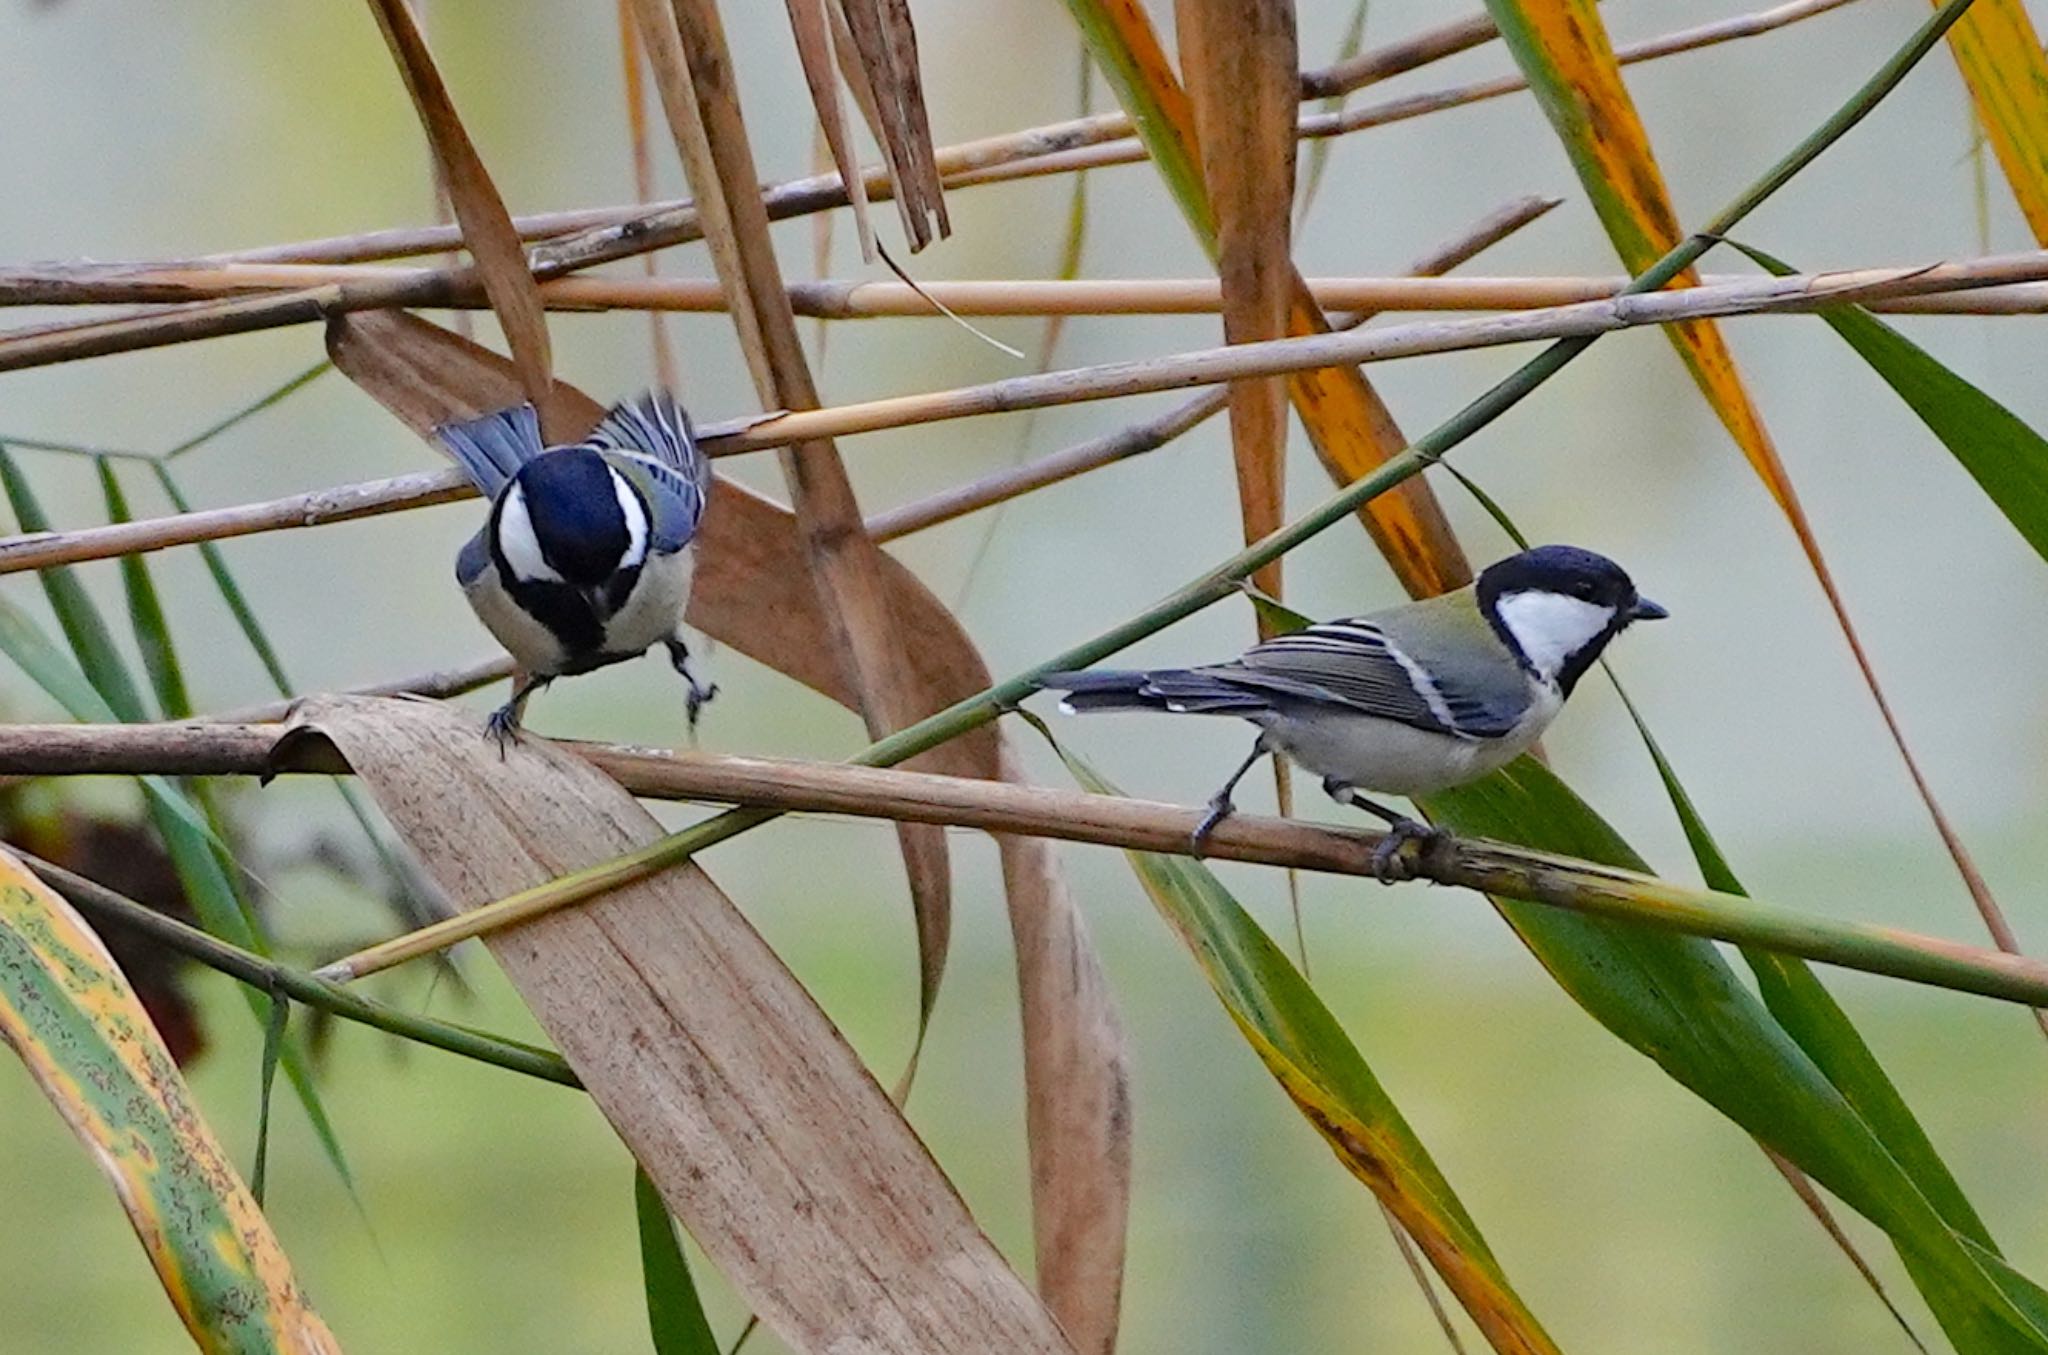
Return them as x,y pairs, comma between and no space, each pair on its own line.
785,785
1217,583
860,299
97,901
609,234
1579,322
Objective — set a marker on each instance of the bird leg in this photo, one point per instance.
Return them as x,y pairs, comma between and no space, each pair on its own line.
504,724
1220,805
1388,865
679,655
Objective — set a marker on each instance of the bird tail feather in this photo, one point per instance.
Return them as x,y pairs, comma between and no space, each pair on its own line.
654,425
1181,691
491,450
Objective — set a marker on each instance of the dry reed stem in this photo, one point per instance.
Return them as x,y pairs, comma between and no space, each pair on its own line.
799,197
1111,380
1151,434
862,299
212,749
603,235
583,238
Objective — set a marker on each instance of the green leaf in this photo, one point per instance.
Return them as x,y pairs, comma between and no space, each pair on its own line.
1675,999
1810,1014
146,612
230,591
273,1049
76,614
66,1010
1305,1048
675,1315
107,692
404,877
2007,459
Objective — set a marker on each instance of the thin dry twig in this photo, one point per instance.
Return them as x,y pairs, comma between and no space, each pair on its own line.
1156,432
866,299
1799,292
581,239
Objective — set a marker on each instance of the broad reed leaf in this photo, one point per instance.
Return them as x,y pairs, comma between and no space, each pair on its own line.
102,689
2006,457
1351,429
1321,1070
66,1010
1807,1011
753,591
1676,1000
1999,53
675,1315
1563,49
767,1138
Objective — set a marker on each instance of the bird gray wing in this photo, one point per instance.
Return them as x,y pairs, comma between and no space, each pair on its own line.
473,559
1355,664
651,441
491,450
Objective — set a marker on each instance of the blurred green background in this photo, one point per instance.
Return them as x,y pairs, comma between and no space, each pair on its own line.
496,1214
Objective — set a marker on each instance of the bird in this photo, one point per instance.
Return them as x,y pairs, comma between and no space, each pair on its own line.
1406,701
585,558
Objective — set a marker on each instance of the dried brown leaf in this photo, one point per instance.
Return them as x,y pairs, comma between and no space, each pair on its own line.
811,25
1240,63
754,592
487,227
699,93
878,52
766,1136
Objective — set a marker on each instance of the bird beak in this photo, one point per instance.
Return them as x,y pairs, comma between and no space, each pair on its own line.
1646,610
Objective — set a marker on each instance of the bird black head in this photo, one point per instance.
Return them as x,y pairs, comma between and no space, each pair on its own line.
1557,607
568,517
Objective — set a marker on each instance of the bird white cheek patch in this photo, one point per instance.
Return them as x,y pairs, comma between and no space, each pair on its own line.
520,545
1551,627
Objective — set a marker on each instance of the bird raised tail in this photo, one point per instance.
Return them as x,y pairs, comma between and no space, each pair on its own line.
491,450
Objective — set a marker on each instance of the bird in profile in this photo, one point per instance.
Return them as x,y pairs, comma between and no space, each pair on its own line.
1407,701
585,559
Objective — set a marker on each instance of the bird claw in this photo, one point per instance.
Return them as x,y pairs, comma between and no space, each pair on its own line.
700,692
503,726
1389,864
699,697
1220,808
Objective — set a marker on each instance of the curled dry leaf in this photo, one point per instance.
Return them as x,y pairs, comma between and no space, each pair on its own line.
693,70
753,592
746,1107
68,1012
